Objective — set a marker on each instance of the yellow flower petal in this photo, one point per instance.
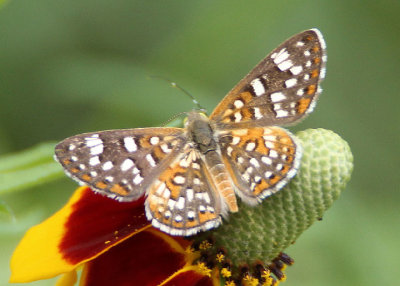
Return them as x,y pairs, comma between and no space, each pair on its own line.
38,255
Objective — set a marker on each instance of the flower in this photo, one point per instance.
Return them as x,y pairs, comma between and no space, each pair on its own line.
113,243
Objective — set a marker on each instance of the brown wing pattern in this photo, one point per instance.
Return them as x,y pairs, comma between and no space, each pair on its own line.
260,160
119,163
281,89
183,200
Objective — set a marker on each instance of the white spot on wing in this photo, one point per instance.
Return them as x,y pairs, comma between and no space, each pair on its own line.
254,162
273,154
268,174
300,92
181,203
154,140
91,142
126,165
179,180
277,96
138,179
238,103
266,160
189,194
150,159
257,113
130,144
94,161
285,65
250,146
165,148
235,140
96,150
258,87
281,56
238,117
191,214
107,166
281,113
290,82
296,70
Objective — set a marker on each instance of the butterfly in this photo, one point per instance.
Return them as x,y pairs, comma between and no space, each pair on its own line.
192,175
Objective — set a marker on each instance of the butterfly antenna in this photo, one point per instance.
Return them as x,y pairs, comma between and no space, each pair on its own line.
175,85
172,119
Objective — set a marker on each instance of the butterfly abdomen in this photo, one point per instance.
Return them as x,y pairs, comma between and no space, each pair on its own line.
220,177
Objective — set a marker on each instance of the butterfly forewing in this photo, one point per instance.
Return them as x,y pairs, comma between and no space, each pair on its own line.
119,163
281,89
260,160
182,200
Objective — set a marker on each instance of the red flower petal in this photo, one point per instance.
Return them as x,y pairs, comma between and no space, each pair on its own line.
148,258
96,223
85,227
189,278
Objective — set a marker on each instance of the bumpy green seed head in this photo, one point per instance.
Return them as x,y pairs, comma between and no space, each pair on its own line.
262,232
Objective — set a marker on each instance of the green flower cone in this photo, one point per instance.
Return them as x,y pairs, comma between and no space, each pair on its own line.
261,233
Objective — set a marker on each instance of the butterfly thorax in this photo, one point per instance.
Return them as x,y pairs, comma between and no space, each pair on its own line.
200,132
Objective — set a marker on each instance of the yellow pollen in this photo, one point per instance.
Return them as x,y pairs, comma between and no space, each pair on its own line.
250,281
230,283
220,257
268,282
107,242
203,269
266,275
205,245
226,273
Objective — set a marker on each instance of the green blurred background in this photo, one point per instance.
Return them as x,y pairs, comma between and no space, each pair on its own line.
68,67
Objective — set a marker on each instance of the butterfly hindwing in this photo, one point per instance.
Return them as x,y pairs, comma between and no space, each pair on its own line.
119,163
183,200
261,160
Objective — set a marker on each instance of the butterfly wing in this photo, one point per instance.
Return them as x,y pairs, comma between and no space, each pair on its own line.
281,89
183,199
119,163
260,160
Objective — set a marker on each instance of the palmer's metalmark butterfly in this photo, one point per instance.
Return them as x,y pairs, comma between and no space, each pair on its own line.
190,175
